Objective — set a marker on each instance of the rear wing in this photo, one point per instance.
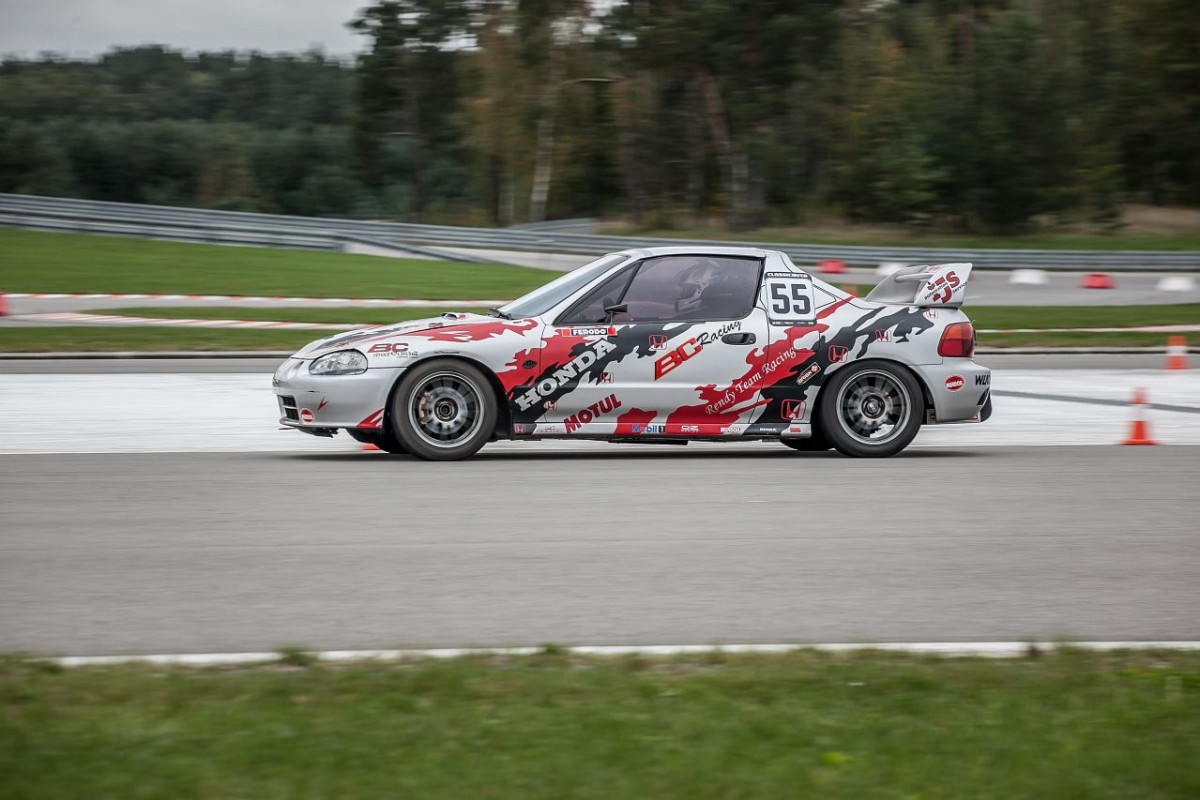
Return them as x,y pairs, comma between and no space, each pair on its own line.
939,285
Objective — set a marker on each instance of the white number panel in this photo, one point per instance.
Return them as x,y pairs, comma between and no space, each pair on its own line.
789,298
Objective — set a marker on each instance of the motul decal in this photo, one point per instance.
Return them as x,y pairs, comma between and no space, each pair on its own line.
306,415
676,357
837,353
954,383
597,409
568,372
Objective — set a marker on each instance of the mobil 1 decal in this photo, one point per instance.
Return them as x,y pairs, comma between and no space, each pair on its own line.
789,298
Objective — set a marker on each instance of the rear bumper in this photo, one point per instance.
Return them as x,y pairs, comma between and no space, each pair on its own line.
960,389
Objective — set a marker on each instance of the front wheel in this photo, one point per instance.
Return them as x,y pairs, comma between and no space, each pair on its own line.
872,409
443,410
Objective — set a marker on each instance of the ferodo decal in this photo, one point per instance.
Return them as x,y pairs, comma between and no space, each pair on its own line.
676,357
597,409
587,331
954,383
789,298
568,372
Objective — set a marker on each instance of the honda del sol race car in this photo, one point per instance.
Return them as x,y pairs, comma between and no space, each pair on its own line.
659,345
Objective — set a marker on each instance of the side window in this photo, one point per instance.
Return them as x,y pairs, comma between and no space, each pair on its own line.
670,288
590,309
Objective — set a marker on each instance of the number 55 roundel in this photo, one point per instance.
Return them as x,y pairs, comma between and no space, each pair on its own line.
789,298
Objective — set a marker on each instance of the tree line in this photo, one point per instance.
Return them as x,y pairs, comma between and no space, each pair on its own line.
979,114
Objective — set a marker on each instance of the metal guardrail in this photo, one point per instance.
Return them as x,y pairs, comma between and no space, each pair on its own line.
324,233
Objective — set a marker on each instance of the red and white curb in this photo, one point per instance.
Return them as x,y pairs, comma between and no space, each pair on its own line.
202,298
76,318
950,649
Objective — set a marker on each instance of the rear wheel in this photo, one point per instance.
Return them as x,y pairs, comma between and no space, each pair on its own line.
443,410
872,409
383,438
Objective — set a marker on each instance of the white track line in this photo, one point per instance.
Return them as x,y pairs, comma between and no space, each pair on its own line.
951,649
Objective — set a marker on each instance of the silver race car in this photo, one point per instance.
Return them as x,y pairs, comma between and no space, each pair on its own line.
665,344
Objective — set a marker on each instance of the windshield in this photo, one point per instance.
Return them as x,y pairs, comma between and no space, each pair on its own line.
544,298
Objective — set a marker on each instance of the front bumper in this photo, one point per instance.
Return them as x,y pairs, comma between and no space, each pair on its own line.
960,389
331,401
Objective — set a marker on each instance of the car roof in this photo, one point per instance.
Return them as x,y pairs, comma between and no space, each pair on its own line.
695,250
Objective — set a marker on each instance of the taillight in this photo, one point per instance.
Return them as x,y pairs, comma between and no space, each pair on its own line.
958,341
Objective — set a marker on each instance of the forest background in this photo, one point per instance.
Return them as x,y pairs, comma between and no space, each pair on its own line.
972,115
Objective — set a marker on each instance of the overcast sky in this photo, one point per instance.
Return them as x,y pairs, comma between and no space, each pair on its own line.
90,27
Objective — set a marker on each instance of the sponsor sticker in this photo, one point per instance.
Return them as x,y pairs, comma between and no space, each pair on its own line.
597,409
658,341
676,357
306,415
564,374
983,380
605,377
587,331
736,429
655,428
400,349
520,429
689,428
954,383
808,374
837,353
883,335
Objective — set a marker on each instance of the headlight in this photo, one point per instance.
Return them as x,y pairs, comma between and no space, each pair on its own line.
343,362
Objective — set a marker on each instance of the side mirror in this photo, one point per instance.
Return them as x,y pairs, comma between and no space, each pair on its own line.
620,308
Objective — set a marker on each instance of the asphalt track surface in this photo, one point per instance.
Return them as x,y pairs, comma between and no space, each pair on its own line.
226,552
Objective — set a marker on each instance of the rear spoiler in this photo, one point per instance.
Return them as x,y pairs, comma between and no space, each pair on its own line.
937,286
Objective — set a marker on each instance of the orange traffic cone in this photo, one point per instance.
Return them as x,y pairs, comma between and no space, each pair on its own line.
3,305
1176,352
832,266
1139,431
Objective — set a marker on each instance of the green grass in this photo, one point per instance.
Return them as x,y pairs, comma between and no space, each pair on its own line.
105,339
876,237
351,316
866,725
985,340
1002,317
33,261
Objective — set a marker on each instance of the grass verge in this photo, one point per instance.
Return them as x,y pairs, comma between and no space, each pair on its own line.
349,316
35,261
807,724
105,339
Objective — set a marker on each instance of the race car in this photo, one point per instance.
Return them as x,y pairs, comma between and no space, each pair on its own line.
658,345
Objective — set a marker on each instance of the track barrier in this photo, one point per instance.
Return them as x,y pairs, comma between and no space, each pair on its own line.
1097,280
1176,352
1139,429
1028,277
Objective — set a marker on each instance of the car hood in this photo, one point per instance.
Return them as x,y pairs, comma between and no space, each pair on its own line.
449,327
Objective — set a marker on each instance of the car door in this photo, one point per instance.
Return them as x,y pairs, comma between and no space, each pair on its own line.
668,346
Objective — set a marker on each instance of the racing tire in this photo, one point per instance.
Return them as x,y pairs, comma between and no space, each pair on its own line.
813,444
384,439
872,409
443,410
